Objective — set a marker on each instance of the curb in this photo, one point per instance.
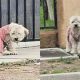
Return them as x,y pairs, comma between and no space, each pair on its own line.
10,60
61,76
27,44
55,58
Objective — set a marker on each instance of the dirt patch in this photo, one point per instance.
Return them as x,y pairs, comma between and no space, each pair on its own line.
60,66
19,71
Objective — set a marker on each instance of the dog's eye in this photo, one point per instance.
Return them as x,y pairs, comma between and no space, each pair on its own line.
19,33
73,21
79,21
13,33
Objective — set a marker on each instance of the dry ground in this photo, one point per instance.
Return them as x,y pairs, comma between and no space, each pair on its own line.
60,66
19,71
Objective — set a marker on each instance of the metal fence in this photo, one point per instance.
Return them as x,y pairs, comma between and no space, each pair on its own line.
25,12
45,21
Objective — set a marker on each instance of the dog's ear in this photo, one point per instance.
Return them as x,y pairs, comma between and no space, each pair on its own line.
26,31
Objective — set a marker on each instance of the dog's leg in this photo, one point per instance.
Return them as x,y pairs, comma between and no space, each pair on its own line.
74,47
78,49
68,43
10,49
1,46
68,47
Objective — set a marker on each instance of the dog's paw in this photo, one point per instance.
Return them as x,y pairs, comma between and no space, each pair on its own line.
1,54
73,52
78,52
9,53
78,56
68,50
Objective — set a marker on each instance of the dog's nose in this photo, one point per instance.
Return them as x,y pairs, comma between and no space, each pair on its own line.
16,39
76,25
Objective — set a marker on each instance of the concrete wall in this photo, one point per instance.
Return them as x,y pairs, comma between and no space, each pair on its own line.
48,39
66,9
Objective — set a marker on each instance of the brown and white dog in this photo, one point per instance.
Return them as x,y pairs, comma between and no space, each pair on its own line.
73,36
11,33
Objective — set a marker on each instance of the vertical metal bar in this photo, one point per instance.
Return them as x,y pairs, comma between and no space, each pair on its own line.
55,18
25,39
33,19
25,13
8,4
55,12
44,13
0,14
16,11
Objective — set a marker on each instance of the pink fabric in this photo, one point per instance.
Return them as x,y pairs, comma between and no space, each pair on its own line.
3,32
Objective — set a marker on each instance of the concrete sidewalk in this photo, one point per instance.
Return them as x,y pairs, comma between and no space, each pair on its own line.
29,52
23,53
25,50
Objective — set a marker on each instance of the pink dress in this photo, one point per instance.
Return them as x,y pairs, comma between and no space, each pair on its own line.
3,32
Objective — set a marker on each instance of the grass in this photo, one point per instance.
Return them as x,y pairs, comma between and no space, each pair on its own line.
66,61
45,72
41,17
49,23
56,71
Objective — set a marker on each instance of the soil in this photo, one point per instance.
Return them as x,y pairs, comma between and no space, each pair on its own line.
60,66
19,71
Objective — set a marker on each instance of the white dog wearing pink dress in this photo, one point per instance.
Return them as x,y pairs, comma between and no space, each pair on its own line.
73,36
9,34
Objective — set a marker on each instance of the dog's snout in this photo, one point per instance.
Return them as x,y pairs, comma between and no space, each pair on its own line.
16,39
76,25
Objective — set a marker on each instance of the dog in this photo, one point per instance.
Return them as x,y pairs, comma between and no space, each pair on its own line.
10,33
73,36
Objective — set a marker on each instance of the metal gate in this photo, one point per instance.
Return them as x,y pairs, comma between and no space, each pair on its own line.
25,12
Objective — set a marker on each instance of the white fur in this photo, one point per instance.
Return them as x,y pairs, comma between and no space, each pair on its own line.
73,35
16,32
